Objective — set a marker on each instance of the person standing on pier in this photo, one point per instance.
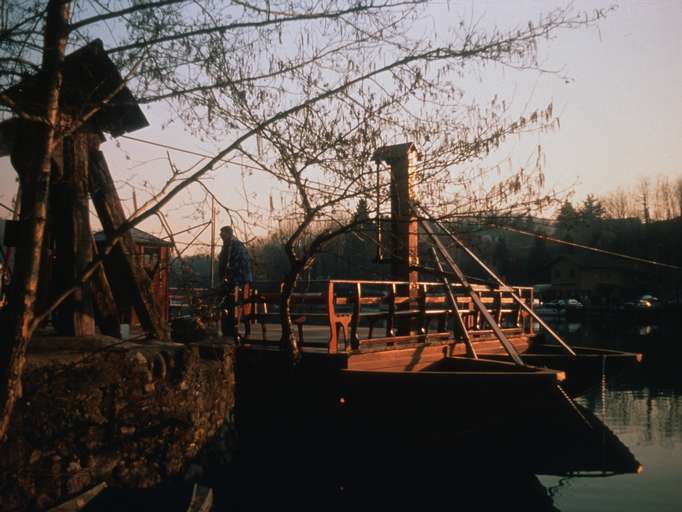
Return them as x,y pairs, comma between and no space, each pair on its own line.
234,268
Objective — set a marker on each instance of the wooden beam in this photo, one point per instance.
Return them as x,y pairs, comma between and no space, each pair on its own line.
499,281
404,238
471,351
74,251
106,314
135,281
508,346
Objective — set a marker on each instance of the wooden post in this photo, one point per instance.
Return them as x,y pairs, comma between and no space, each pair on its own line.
404,243
213,243
404,229
74,250
135,283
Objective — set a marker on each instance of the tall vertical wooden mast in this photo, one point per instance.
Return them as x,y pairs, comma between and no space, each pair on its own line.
404,235
213,279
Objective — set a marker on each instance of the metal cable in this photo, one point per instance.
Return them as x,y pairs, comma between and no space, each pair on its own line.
588,247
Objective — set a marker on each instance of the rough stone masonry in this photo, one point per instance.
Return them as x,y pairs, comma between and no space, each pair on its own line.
98,409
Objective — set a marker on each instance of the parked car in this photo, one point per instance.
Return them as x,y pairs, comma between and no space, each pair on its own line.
565,304
645,302
574,304
559,307
674,302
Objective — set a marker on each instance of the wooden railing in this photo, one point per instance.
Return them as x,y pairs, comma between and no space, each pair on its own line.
368,313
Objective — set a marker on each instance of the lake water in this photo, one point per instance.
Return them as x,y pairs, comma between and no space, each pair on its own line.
643,407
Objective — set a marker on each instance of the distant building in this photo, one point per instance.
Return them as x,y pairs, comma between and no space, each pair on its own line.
600,277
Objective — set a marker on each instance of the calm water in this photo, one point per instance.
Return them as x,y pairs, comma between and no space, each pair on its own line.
643,408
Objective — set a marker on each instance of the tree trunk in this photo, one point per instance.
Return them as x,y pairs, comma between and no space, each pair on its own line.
289,341
74,243
33,155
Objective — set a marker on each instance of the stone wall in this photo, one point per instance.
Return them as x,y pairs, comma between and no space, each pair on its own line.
99,409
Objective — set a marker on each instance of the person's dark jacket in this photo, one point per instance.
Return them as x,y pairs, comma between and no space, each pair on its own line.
234,263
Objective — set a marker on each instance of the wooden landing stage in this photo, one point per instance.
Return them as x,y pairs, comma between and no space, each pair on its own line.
371,350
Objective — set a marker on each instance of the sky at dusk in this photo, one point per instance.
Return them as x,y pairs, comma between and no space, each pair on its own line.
615,87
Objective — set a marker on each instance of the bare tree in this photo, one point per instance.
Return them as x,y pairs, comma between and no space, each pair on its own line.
657,201
620,204
323,155
239,67
644,198
665,199
38,138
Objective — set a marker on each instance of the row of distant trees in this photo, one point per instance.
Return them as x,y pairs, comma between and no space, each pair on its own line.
521,259
527,260
597,222
650,198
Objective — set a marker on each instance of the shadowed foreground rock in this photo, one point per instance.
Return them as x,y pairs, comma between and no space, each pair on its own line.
98,409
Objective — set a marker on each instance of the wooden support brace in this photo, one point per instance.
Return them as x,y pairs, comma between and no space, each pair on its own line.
106,313
471,351
390,321
135,282
423,322
355,321
474,297
519,300
331,313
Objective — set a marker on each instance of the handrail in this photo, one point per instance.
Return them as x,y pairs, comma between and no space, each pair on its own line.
347,306
387,282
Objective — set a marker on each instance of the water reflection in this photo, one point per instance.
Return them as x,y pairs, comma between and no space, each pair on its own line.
644,408
539,467
470,471
415,465
646,330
